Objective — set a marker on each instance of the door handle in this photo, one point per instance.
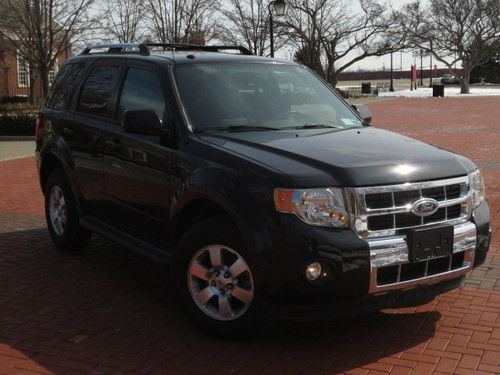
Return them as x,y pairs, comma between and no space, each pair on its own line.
113,144
69,131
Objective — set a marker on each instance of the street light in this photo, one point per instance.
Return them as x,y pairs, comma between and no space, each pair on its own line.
391,88
432,70
279,7
421,68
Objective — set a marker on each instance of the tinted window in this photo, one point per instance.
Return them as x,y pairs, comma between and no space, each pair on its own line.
97,93
142,90
64,85
271,95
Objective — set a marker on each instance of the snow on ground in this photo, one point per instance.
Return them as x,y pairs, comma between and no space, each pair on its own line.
425,92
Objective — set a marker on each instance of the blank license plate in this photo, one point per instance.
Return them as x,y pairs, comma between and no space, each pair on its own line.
424,244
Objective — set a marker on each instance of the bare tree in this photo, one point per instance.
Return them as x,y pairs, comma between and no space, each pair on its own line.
42,30
340,34
183,21
455,31
122,20
248,25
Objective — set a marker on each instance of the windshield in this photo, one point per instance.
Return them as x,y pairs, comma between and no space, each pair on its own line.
258,96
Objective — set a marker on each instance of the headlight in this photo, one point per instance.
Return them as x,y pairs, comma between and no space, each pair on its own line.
476,185
322,207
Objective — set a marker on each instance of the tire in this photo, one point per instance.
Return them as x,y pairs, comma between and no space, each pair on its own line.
61,214
229,284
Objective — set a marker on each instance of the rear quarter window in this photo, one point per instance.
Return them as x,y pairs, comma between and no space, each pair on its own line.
64,85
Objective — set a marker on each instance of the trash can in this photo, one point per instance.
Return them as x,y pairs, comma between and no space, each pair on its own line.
437,90
366,88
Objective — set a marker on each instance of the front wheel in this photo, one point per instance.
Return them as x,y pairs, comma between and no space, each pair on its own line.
215,283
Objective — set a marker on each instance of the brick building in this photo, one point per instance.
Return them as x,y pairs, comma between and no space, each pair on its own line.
15,73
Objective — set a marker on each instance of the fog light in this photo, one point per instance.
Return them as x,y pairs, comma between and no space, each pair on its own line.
313,271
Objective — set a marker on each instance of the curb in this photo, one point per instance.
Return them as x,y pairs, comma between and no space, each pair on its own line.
16,138
16,158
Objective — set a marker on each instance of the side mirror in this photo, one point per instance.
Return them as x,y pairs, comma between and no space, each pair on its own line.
141,121
363,111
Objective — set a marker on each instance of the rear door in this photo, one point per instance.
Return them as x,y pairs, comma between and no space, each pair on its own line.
85,126
137,167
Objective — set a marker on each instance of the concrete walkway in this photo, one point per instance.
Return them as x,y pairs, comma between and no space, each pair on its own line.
16,149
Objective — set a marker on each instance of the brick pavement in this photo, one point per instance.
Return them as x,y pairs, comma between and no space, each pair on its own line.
108,311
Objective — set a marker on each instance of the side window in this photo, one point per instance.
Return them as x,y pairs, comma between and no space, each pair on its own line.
97,93
142,90
64,85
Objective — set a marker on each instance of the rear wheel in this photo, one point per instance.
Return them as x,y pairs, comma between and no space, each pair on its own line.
61,214
215,283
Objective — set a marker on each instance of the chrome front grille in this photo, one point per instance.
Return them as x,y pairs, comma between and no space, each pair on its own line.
387,210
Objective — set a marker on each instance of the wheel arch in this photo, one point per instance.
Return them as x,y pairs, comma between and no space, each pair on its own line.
50,163
195,211
245,217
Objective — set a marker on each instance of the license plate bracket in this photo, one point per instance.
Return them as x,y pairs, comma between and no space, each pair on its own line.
425,244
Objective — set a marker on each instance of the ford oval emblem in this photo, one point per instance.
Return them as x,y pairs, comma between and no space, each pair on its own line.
425,207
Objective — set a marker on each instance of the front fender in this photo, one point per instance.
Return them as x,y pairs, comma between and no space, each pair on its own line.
238,199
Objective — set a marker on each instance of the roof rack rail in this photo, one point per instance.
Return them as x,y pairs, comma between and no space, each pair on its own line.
197,47
143,48
118,48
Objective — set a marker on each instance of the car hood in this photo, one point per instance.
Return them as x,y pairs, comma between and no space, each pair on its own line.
350,157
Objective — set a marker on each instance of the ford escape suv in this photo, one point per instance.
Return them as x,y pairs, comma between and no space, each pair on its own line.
268,195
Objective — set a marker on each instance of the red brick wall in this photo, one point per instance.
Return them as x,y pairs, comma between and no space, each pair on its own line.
8,75
3,75
13,89
3,82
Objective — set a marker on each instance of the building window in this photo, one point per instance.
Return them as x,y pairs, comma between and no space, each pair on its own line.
23,72
52,74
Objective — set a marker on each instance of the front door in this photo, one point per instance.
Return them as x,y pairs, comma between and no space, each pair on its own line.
137,167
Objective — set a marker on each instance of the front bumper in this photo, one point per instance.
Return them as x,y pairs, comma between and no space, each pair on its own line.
389,258
357,263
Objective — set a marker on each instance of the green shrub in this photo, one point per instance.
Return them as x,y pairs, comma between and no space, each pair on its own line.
14,99
18,108
13,124
17,119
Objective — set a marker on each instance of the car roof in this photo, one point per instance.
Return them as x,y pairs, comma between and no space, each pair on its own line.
175,57
192,57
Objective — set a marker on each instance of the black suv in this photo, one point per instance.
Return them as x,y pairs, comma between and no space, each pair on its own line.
267,194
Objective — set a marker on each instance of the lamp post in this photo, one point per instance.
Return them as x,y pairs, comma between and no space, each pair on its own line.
391,88
421,68
432,71
279,7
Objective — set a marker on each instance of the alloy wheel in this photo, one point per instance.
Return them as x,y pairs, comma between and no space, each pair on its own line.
220,282
58,210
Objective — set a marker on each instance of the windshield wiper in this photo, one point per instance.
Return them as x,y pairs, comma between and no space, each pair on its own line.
241,128
313,126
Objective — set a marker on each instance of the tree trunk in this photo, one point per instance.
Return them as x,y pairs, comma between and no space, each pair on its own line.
464,81
33,74
44,81
331,74
32,92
